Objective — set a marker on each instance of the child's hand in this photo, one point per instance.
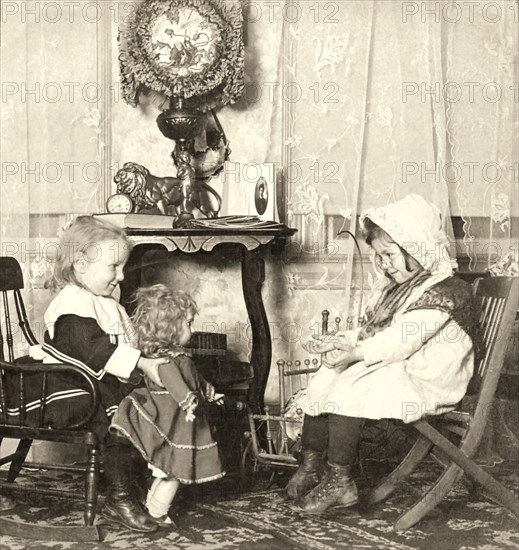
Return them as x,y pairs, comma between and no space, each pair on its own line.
150,368
342,341
316,345
321,344
344,357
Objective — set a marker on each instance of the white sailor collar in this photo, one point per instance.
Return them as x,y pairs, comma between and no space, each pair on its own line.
108,313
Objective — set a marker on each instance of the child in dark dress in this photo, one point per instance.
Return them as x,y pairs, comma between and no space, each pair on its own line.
168,425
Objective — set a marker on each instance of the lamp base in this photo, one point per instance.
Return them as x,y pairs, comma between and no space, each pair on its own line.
183,220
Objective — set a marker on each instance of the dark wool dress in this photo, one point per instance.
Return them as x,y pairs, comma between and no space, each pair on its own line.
81,342
153,420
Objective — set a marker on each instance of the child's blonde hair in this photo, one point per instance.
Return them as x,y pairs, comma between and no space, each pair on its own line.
158,318
83,233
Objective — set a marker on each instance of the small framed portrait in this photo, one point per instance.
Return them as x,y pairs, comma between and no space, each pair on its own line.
260,181
248,189
261,199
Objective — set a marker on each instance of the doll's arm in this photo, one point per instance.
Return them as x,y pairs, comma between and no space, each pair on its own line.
209,391
211,395
190,410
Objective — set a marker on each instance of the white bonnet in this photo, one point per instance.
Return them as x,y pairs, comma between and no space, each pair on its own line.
415,225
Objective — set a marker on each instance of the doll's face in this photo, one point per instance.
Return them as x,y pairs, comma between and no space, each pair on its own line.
185,332
391,260
100,268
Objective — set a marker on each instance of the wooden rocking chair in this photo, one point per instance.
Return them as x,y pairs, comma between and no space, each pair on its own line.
498,298
27,425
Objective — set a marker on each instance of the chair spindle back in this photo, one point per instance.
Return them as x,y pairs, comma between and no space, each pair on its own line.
498,302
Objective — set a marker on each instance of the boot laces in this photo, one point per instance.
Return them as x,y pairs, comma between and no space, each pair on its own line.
324,488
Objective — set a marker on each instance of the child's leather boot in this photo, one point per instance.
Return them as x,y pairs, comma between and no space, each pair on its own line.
122,507
307,476
337,488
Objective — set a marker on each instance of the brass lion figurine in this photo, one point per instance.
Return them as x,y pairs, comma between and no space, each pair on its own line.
148,191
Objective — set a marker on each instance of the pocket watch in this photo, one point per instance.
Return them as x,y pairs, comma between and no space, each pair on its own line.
119,203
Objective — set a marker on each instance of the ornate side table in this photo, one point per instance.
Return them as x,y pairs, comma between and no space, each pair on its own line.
252,244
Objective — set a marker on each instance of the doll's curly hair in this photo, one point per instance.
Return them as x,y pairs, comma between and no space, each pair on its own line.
158,316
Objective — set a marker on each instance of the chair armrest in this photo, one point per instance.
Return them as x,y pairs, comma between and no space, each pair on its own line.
53,368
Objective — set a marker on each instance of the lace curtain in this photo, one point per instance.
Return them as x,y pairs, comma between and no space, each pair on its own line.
386,98
55,130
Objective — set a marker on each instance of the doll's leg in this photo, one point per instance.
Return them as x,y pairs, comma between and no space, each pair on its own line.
160,497
314,442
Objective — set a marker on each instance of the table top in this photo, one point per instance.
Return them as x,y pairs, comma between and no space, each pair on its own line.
146,229
206,238
279,230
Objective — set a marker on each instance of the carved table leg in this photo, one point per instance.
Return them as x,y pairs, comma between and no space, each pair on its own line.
253,276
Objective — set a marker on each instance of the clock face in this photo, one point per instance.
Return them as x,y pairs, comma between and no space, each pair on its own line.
120,203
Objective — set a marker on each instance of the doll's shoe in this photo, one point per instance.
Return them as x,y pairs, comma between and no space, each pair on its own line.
164,521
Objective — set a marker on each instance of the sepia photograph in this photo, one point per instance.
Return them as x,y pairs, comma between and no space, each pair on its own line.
261,197
259,271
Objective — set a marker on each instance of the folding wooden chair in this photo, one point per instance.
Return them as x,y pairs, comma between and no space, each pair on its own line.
19,419
498,298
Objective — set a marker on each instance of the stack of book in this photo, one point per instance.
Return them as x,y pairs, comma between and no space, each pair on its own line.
208,343
210,352
233,222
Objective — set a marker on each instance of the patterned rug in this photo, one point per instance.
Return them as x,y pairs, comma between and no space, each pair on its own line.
219,516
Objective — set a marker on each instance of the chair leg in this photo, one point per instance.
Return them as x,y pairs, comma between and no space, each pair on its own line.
91,478
430,499
19,458
408,465
462,457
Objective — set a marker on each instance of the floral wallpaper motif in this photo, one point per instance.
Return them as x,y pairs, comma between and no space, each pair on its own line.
306,202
